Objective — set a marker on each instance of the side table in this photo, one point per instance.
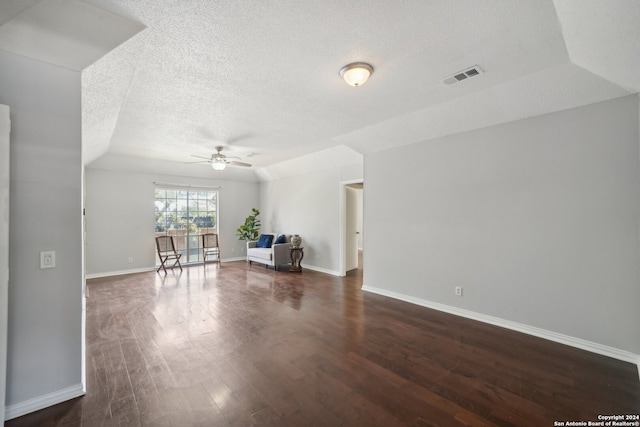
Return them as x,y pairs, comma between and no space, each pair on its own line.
297,254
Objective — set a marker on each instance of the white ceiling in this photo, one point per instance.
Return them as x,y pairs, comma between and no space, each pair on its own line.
167,79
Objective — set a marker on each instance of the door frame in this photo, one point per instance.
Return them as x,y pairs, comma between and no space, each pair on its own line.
5,180
343,223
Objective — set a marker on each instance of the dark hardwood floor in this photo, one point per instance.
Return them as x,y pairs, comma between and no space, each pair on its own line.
245,346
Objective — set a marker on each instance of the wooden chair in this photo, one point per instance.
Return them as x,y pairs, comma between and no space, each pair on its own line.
167,251
210,247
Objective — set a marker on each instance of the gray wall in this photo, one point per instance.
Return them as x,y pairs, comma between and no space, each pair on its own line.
45,306
121,219
308,204
537,220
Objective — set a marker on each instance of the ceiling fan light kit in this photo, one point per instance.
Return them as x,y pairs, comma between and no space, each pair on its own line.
356,74
218,164
219,161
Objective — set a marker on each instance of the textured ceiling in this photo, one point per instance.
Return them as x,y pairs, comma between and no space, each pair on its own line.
167,79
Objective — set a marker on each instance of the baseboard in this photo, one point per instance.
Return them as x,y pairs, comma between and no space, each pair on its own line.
320,270
239,258
119,272
147,269
285,267
28,406
593,347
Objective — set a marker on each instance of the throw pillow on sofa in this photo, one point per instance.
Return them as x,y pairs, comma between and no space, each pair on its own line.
280,239
264,241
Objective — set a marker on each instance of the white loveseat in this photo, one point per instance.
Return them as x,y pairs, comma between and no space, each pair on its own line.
277,254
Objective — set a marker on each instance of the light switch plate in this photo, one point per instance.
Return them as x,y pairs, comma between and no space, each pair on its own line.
47,259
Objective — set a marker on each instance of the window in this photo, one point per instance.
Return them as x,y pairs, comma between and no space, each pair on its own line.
185,214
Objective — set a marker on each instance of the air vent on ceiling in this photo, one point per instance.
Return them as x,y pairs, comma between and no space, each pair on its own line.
463,75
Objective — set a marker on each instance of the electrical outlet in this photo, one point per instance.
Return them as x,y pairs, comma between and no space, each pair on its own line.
459,291
48,259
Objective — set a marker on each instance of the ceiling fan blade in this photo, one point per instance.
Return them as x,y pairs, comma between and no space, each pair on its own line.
199,161
201,157
245,165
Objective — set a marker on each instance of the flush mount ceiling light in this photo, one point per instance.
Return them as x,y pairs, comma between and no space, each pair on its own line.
356,73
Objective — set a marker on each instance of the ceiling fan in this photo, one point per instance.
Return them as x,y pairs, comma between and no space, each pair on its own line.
219,161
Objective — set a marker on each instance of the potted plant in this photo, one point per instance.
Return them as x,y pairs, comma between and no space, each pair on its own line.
249,230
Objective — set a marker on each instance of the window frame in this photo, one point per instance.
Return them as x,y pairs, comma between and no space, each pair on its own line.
188,213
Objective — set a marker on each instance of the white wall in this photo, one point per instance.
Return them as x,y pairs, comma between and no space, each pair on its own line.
120,221
121,218
537,220
45,306
309,204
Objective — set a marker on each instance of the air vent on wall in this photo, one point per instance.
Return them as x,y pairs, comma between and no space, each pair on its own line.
463,75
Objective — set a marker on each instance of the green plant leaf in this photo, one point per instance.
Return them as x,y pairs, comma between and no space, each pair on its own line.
249,230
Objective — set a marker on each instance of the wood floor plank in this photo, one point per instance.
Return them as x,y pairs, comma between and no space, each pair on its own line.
239,345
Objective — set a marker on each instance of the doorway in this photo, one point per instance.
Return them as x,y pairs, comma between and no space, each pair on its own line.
352,230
